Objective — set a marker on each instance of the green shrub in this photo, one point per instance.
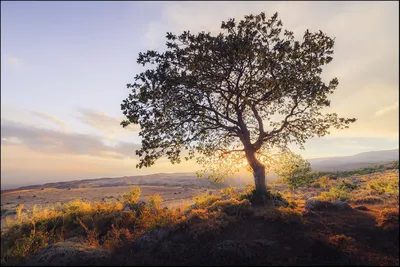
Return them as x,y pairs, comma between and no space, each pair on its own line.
133,196
205,200
388,184
347,185
155,201
335,194
232,207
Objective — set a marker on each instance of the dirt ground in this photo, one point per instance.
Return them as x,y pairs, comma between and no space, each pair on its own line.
172,196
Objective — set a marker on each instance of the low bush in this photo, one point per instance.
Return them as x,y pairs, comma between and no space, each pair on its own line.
205,200
385,185
132,197
232,207
368,200
388,217
334,194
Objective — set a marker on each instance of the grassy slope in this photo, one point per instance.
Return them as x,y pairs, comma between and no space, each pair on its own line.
327,238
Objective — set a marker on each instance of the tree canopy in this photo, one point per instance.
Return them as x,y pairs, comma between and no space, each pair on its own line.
250,87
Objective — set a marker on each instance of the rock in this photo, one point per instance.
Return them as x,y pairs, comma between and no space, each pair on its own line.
361,208
225,197
342,205
150,240
319,205
295,197
34,195
126,208
231,250
165,208
195,206
67,253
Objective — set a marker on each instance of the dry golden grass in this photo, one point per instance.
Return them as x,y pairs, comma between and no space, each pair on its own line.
100,224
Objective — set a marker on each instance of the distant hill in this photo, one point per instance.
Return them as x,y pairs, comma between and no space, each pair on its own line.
361,160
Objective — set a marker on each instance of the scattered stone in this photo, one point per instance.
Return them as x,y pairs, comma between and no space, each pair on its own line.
361,208
342,205
194,206
151,239
126,208
67,253
34,195
42,188
225,197
318,205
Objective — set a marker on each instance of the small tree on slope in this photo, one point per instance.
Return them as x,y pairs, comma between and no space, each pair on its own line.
253,86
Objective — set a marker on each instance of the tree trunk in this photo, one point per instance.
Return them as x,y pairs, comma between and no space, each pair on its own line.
259,179
258,172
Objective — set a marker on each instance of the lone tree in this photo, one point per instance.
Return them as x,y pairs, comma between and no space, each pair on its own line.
245,89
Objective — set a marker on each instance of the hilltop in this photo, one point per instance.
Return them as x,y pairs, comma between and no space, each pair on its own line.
342,218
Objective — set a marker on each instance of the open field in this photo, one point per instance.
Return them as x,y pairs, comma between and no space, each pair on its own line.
172,195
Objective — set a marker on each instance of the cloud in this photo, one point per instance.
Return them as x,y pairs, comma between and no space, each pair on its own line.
55,142
386,110
107,125
354,144
51,118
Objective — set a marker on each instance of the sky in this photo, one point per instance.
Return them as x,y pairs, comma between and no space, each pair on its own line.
65,66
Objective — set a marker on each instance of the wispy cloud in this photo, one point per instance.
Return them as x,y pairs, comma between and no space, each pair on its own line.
51,118
55,142
354,144
367,68
385,110
107,125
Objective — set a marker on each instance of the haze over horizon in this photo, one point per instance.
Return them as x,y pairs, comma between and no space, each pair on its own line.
65,66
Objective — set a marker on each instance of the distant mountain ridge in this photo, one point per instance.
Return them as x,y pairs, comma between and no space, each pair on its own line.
360,160
344,163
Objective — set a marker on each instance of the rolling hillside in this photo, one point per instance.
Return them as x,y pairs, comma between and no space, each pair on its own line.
361,160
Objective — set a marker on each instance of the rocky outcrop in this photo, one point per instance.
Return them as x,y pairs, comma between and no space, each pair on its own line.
340,205
320,205
71,252
364,208
151,239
